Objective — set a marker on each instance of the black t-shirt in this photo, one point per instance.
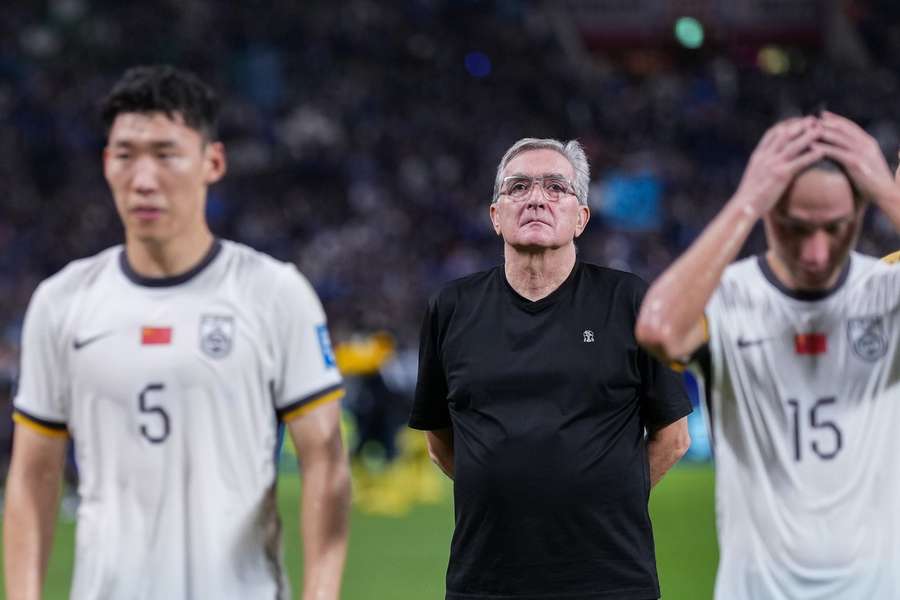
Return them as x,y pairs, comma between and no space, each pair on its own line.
548,402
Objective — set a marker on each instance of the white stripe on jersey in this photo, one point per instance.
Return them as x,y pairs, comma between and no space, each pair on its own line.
804,407
171,394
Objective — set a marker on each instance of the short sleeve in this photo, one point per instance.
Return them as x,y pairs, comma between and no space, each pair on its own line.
430,410
307,371
663,397
42,400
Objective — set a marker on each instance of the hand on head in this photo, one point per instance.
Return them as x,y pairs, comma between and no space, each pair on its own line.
846,142
784,151
792,145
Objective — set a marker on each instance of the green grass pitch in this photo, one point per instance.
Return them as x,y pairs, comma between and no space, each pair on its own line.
404,558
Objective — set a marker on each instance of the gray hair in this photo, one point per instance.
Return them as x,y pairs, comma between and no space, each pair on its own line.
573,152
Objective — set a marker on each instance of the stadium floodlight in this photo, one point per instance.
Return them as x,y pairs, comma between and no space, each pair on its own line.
773,60
689,32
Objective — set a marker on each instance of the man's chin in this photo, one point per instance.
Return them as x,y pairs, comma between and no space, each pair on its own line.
532,245
816,282
146,235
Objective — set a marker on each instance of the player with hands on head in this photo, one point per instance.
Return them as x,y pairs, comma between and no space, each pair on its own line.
798,361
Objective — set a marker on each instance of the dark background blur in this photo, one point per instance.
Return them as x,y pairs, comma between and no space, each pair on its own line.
363,136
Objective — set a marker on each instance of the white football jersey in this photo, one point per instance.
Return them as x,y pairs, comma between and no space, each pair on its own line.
172,390
802,400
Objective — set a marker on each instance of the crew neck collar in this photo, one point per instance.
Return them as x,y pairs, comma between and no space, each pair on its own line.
159,282
549,299
804,295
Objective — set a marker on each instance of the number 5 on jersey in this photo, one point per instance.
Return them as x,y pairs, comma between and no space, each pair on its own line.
156,425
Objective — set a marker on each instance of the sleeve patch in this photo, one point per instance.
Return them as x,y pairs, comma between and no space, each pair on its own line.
325,346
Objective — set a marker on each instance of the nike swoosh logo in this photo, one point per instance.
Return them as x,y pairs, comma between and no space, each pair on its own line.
742,343
79,344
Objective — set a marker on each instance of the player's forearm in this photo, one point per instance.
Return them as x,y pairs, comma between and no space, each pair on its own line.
665,447
29,519
325,518
675,302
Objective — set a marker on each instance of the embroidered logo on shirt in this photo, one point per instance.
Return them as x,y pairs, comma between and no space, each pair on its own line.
745,343
216,335
867,337
78,344
588,336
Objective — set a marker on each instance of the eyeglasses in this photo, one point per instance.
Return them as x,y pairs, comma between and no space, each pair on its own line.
554,187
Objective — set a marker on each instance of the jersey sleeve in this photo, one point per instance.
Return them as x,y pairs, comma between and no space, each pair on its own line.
42,400
307,371
430,410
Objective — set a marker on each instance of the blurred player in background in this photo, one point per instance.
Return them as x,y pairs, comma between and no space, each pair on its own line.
170,362
798,351
537,401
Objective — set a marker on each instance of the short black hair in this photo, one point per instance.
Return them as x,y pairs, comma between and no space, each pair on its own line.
165,89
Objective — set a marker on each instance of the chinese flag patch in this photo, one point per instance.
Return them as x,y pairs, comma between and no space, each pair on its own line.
811,343
156,335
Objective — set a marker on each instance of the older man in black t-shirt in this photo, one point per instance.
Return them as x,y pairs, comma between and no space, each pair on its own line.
539,403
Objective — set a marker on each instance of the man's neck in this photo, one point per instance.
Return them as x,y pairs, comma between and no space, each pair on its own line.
536,275
170,258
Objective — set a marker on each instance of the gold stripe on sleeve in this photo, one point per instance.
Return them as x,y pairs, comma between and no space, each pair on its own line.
21,419
313,404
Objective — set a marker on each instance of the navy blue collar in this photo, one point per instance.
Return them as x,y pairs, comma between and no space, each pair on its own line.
138,279
805,295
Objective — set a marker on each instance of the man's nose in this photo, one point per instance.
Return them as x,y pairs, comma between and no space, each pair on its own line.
815,249
145,180
536,197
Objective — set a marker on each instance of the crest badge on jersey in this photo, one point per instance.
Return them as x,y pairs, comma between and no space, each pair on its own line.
216,335
867,337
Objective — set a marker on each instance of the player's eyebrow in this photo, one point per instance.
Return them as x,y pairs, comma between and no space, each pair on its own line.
795,222
155,145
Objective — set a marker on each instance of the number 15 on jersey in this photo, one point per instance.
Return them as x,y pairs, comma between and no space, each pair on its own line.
812,429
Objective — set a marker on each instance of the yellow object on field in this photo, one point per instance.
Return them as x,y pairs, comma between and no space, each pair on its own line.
364,355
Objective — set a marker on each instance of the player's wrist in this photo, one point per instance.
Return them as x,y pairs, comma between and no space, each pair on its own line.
887,197
747,206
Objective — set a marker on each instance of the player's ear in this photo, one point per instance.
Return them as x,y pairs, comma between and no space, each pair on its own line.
581,220
495,217
104,157
216,163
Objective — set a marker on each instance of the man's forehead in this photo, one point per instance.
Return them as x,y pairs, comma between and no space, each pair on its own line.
150,126
543,161
818,196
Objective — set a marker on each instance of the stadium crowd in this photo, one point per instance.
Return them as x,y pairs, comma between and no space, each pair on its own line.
361,135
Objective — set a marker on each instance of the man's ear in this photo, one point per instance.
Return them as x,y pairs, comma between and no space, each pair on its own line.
495,217
216,162
581,221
